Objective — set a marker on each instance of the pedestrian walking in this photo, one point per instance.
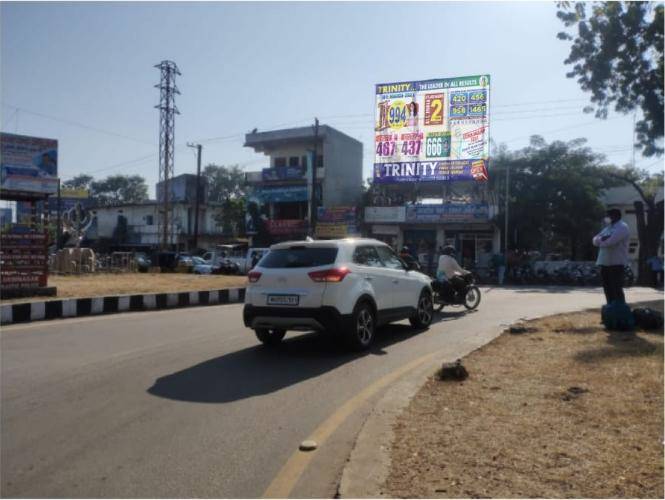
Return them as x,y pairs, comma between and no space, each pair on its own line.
612,243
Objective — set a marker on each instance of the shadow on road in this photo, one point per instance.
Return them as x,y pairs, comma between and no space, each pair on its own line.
261,370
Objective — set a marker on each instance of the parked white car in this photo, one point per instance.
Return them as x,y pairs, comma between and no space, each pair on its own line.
347,287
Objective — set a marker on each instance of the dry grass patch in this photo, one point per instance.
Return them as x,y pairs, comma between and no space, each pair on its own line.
93,285
565,411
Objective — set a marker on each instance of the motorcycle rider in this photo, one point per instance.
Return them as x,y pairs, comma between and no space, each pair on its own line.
406,256
451,277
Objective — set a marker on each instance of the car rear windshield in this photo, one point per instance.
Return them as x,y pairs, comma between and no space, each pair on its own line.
299,256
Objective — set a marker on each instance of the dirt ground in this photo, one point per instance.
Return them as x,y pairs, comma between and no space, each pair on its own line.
117,284
564,411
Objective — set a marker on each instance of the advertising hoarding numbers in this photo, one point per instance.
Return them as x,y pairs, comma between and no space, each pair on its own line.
433,109
437,145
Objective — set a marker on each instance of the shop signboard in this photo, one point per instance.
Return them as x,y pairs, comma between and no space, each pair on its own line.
385,229
281,194
283,173
285,226
332,230
385,214
449,212
28,165
336,222
432,130
24,258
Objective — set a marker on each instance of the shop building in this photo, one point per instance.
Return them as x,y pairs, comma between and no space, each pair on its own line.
283,197
425,216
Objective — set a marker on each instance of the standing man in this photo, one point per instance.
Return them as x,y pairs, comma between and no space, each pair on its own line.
499,263
612,243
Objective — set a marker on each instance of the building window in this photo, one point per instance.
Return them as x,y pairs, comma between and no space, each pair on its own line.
303,160
293,161
280,162
319,160
149,220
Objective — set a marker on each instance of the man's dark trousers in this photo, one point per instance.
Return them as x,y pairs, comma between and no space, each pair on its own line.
612,277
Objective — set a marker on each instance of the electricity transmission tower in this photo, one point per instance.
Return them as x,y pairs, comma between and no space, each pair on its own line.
167,112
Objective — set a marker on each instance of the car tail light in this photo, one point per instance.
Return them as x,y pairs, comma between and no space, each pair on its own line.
253,276
334,275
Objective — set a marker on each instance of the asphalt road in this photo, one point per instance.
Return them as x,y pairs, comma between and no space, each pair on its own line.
186,403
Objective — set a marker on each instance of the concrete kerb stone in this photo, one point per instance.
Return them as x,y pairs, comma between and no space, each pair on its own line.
23,312
369,463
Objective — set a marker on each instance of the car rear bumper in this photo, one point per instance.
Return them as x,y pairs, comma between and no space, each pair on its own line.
296,318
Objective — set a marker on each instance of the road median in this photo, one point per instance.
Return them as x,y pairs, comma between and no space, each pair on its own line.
559,408
24,312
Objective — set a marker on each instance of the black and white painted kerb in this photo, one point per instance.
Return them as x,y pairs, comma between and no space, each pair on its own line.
69,308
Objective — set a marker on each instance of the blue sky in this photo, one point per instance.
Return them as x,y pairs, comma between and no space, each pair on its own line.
83,73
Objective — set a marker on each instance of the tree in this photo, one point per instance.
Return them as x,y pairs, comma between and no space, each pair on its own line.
617,55
648,213
231,217
555,193
81,181
119,189
224,183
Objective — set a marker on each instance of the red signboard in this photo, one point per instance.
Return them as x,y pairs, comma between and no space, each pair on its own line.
23,258
285,226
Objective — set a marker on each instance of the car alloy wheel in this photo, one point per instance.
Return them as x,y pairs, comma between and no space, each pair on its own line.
425,308
365,326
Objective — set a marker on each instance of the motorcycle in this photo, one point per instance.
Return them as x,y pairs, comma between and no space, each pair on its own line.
467,295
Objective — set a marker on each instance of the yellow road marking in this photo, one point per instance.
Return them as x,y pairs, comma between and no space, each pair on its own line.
286,479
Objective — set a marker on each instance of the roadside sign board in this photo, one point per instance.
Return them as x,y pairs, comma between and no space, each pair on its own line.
24,259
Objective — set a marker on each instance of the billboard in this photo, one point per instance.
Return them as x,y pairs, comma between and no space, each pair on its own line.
28,164
432,130
69,200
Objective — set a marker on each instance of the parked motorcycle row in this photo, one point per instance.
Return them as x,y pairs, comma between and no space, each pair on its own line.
571,274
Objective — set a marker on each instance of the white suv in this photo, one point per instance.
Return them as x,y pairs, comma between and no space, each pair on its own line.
347,286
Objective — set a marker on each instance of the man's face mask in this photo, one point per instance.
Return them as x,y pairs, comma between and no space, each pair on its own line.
607,220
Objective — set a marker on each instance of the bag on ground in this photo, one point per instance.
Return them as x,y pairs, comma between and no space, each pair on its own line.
647,318
617,316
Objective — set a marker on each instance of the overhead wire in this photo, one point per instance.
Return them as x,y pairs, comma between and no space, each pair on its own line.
78,124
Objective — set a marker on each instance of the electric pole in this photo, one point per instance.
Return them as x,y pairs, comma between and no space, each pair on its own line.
505,242
312,220
198,147
167,112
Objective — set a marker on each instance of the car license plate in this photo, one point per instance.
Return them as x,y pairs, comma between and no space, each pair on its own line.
283,300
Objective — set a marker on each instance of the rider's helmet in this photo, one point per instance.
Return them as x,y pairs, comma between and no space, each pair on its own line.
449,250
405,249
